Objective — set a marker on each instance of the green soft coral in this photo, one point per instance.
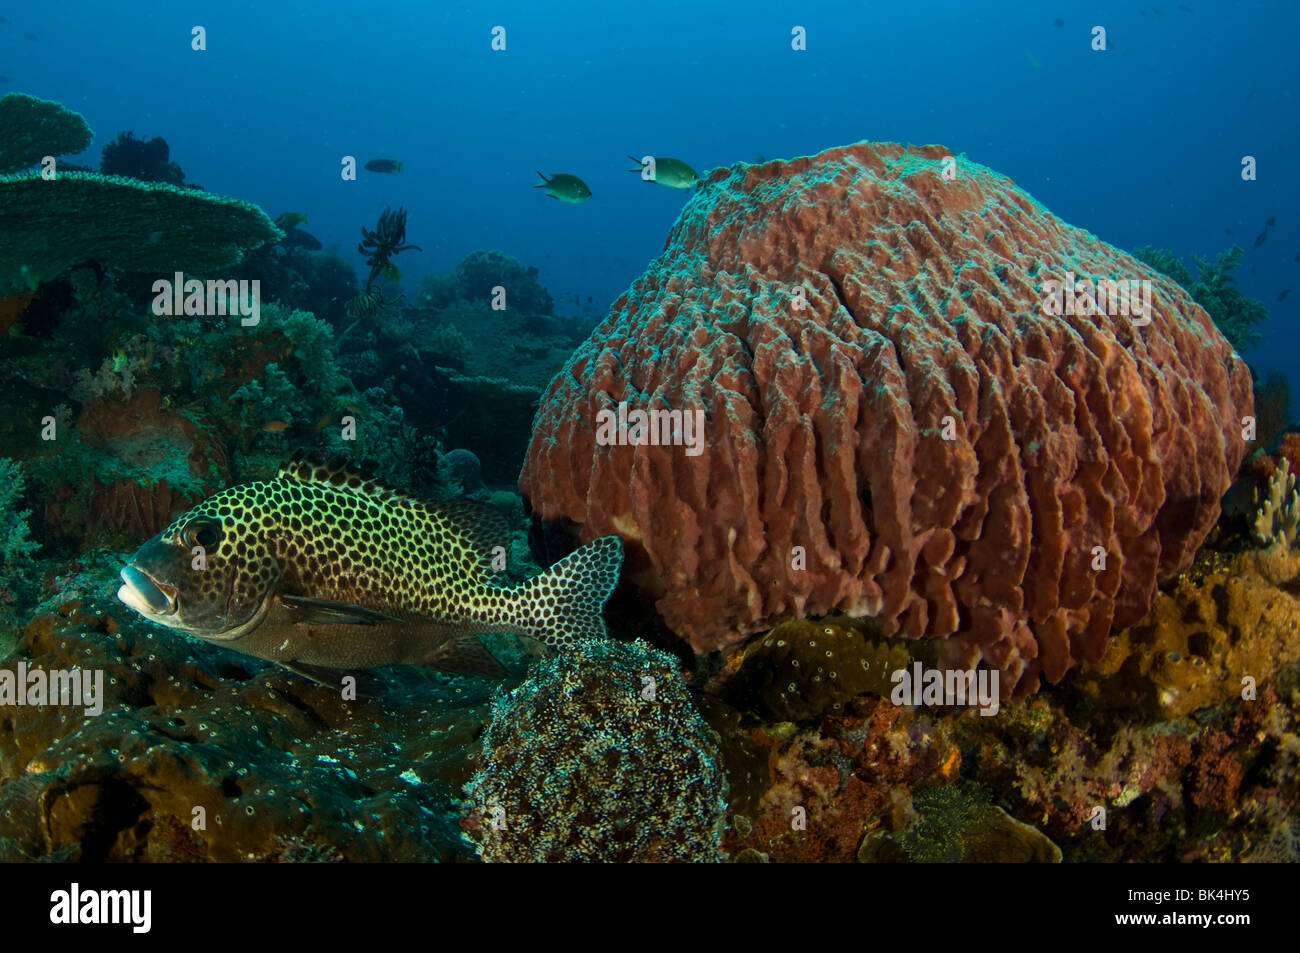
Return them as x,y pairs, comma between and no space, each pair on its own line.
312,362
15,547
1215,289
302,385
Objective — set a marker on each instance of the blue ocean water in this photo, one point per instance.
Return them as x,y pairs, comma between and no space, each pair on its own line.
1140,144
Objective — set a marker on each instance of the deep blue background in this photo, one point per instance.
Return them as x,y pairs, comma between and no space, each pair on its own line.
1140,145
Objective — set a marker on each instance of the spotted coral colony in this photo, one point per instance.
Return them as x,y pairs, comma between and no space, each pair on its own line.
885,516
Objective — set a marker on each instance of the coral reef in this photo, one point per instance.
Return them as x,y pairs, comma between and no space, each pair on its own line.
1278,517
446,346
51,226
137,159
35,128
516,336
482,271
957,824
127,466
901,419
1226,619
804,668
16,547
199,755
461,471
599,756
867,781
1214,288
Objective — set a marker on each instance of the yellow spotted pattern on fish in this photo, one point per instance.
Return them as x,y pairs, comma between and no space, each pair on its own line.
324,567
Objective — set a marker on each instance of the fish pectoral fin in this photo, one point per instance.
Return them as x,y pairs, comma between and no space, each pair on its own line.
464,655
305,610
332,678
328,677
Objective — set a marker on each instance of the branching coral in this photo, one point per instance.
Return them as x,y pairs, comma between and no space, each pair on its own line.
1278,517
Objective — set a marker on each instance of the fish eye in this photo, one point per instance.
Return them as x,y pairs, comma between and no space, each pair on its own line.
201,534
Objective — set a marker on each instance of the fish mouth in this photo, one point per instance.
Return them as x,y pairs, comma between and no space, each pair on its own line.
145,594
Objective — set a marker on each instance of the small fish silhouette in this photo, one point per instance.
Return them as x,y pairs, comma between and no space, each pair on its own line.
30,36
1285,292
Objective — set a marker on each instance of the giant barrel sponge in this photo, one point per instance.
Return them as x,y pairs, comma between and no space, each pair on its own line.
904,418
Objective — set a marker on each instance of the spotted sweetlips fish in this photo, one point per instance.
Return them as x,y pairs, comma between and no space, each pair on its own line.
324,568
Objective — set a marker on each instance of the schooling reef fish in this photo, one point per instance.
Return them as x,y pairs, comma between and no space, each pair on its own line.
321,567
383,165
566,188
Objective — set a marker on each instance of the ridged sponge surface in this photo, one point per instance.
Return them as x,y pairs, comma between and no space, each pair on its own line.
902,418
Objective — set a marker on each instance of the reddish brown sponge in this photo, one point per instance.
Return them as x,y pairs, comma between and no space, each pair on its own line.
825,426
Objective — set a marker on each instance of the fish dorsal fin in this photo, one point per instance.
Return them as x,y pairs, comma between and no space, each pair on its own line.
482,525
315,468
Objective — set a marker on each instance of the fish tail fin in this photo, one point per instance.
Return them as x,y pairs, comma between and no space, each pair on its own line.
542,184
565,601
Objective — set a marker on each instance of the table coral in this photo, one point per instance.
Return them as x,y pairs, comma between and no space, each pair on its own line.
34,128
51,226
895,424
